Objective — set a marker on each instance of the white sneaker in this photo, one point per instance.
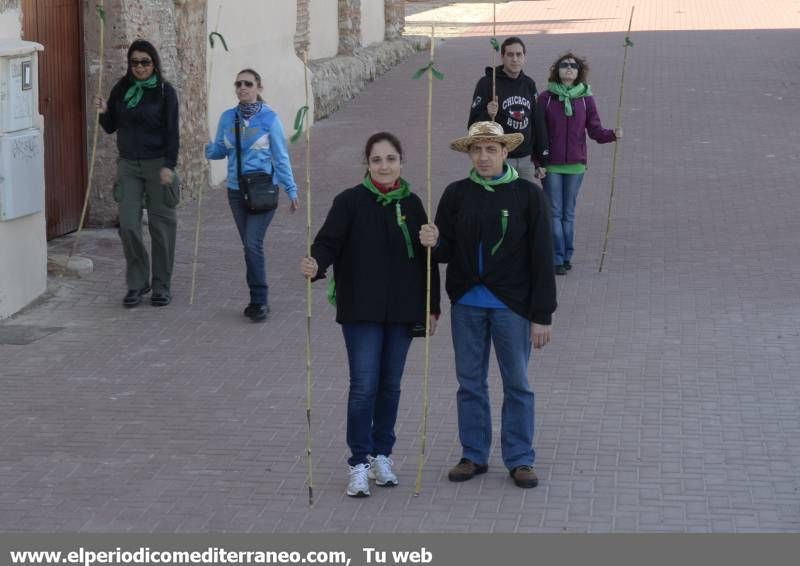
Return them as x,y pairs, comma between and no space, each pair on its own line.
380,470
358,486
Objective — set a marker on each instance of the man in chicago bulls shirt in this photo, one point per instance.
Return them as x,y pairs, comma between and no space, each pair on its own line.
514,108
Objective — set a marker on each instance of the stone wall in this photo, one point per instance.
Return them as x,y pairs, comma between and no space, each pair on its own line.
338,79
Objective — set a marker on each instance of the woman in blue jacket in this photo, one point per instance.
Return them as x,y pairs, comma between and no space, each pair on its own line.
263,148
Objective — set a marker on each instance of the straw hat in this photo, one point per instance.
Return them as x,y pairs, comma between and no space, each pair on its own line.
486,132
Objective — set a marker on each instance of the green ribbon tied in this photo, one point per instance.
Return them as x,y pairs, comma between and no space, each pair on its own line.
221,39
628,42
101,13
434,71
298,123
495,44
401,221
509,176
503,230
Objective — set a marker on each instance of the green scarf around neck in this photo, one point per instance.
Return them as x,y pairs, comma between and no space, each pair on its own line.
508,176
400,193
133,96
567,94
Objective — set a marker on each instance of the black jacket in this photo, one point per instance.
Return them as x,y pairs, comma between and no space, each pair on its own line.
516,99
375,279
148,131
521,272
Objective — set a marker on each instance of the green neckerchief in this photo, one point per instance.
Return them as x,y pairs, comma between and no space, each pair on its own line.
568,94
508,176
400,193
133,96
503,230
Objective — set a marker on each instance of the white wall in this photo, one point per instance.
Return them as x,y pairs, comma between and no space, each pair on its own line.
259,35
373,26
11,24
23,262
324,29
23,242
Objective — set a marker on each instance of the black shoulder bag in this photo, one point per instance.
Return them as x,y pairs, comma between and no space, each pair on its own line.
260,194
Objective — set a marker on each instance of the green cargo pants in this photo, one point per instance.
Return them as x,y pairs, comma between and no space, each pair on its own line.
139,186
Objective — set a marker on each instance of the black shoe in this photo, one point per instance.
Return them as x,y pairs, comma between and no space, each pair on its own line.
248,310
159,299
466,470
258,313
561,270
134,297
567,265
524,477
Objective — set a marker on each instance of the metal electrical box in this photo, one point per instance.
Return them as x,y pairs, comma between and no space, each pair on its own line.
21,146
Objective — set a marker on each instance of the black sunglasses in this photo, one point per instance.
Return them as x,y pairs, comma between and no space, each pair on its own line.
141,62
248,84
566,65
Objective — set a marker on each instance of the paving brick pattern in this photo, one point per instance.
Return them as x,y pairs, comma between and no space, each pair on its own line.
669,399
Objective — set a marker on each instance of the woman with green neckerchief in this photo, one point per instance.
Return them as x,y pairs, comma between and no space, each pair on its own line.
570,112
370,237
143,110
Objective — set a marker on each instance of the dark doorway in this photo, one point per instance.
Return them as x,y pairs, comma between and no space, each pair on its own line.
56,24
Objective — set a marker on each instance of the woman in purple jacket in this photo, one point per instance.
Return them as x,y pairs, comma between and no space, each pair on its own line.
569,113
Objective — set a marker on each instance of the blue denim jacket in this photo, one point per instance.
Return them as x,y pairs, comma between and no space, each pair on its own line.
263,148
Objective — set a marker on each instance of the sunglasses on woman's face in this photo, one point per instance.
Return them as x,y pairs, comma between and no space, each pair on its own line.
566,65
239,84
141,62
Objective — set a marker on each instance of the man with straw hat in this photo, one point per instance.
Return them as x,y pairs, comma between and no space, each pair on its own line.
508,96
493,230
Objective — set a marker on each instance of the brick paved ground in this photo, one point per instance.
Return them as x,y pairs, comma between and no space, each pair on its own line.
668,401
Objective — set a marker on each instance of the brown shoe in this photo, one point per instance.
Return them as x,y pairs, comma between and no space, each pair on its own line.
466,470
524,477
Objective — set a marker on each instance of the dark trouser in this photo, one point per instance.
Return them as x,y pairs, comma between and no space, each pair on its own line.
377,355
139,185
252,229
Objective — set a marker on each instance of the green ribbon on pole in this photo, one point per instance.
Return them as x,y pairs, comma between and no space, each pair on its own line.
628,42
495,44
434,71
298,123
219,35
101,13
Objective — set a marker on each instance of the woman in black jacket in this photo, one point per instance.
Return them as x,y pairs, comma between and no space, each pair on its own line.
370,238
143,109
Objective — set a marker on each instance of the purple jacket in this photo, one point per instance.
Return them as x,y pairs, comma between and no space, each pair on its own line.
567,135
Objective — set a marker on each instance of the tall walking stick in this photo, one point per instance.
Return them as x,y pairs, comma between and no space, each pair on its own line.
495,49
433,73
300,119
211,134
101,16
618,122
308,289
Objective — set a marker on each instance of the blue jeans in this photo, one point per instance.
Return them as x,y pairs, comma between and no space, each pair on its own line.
563,192
474,331
252,229
377,355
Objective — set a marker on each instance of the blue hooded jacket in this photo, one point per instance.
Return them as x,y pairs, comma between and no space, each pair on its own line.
263,148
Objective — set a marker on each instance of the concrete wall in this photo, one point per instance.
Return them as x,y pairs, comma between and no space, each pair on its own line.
373,25
23,244
260,35
10,21
324,29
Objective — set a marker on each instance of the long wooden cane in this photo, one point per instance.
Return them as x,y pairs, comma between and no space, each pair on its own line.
309,381
618,122
494,53
423,439
211,135
101,16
